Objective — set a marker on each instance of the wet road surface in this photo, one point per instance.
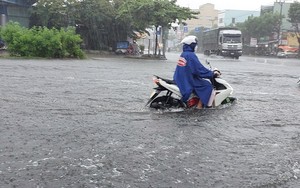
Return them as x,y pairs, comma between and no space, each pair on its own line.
82,123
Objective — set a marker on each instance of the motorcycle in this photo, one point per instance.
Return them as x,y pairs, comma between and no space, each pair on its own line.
167,94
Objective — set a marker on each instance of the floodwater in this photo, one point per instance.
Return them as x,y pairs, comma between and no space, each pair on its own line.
82,123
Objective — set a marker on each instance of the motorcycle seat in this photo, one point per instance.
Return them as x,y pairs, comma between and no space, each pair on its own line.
167,80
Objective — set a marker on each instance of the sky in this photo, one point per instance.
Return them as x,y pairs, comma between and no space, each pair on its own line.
229,4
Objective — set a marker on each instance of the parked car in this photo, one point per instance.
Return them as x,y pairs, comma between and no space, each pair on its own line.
287,54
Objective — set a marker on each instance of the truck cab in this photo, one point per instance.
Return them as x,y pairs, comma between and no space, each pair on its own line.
230,43
222,41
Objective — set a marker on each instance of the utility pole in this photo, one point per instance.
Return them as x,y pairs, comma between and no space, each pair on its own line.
280,2
213,21
233,21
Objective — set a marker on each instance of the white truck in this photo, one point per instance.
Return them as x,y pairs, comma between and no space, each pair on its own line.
222,41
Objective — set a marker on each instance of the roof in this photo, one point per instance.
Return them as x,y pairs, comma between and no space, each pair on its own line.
288,48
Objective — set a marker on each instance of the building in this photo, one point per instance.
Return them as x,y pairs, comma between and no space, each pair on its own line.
206,18
283,9
231,17
209,17
285,36
266,9
15,10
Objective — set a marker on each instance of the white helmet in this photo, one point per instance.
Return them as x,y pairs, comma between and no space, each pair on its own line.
189,40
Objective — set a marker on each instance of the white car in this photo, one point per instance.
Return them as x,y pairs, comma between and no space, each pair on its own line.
287,54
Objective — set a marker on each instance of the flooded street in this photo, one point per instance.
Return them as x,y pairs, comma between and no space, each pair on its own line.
82,123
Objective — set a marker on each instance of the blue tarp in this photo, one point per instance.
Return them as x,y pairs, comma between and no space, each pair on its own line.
122,45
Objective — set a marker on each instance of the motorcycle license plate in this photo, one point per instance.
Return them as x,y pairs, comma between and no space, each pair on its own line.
154,94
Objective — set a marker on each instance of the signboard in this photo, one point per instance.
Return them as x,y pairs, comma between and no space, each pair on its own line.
185,29
284,42
197,29
158,32
253,42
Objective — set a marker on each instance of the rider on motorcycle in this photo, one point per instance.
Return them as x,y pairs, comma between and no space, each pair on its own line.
190,76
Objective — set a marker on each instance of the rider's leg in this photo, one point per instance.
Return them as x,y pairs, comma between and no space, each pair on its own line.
199,105
212,98
192,101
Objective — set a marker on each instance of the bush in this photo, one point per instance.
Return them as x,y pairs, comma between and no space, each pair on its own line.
142,47
41,41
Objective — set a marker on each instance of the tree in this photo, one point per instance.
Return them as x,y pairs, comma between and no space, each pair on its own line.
294,19
102,23
167,12
258,27
53,13
142,14
95,22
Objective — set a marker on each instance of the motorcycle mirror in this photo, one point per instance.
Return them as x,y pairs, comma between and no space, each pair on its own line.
207,62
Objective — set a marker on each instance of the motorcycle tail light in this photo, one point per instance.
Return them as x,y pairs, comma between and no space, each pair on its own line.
155,80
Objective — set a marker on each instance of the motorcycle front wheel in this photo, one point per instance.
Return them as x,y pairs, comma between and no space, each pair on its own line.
229,100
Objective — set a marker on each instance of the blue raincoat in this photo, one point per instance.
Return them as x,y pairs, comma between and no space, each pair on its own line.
189,76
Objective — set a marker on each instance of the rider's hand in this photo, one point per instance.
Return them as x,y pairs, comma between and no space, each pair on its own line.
217,73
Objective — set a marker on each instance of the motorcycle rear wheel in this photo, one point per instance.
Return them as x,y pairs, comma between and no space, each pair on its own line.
165,102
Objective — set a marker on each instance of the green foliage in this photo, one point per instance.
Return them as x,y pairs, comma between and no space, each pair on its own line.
142,14
41,42
294,19
102,23
261,26
70,43
53,13
142,47
97,25
294,13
